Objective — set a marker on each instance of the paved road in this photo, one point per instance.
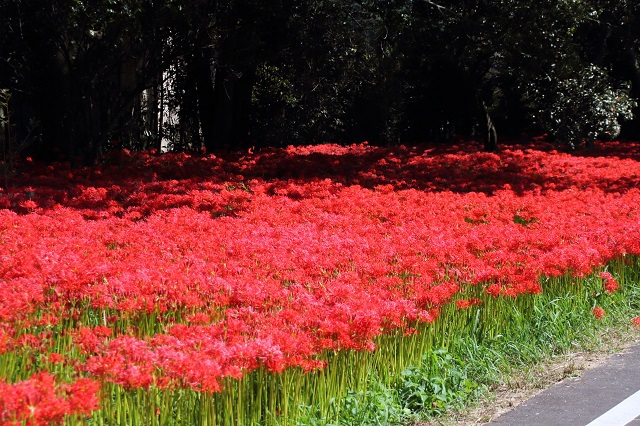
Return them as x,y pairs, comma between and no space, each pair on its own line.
608,395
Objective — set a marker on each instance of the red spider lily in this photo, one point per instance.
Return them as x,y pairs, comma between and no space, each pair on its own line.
270,261
86,339
40,401
467,303
598,312
55,358
610,283
463,304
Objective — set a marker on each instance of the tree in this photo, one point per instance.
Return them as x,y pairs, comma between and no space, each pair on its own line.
611,41
495,62
86,77
81,67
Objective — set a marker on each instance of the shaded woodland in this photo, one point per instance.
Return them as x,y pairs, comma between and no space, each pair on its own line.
80,79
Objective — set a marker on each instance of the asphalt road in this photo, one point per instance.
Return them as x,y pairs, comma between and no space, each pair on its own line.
608,395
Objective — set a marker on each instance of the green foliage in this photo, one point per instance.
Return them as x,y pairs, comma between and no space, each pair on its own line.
583,107
378,405
438,384
109,74
523,221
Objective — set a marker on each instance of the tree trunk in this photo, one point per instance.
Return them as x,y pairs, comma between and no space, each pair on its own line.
232,100
488,128
5,136
205,78
241,107
222,112
54,119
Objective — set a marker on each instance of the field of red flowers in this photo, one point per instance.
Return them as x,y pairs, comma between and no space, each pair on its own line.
182,274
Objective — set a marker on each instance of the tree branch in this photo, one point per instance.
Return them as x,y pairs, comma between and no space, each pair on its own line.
440,8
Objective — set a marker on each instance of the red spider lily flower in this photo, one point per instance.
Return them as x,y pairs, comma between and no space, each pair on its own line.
272,272
463,304
636,321
40,401
102,331
55,358
29,205
598,312
49,320
198,318
6,341
86,339
494,290
83,396
610,283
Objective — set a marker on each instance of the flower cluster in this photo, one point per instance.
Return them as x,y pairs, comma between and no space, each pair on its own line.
39,401
598,312
182,270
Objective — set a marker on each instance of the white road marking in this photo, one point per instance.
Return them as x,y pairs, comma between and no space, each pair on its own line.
621,414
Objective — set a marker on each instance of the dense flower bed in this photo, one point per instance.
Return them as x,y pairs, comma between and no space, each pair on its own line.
180,270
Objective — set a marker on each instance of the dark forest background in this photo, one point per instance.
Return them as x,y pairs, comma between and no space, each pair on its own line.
81,78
